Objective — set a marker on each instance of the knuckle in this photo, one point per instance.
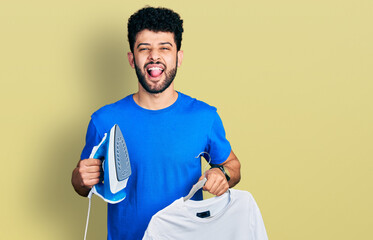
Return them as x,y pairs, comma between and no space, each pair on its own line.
84,182
80,164
81,171
84,161
93,182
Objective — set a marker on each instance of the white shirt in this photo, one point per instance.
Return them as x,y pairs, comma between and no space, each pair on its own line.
233,215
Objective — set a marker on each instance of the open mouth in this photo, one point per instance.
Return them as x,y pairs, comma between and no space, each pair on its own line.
155,71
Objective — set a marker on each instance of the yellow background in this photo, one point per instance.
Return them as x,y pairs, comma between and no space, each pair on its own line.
292,81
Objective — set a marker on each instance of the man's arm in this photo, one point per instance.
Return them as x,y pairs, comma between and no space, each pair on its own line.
86,174
217,183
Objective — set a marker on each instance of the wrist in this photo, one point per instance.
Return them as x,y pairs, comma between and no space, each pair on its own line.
223,170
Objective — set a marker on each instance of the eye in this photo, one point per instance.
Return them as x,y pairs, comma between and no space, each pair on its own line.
143,49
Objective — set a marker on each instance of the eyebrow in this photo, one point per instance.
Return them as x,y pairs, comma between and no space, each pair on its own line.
140,44
164,43
148,44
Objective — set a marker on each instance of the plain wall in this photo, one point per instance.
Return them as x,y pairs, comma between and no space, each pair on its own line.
292,81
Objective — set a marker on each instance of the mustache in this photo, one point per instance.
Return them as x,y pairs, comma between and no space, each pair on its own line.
155,63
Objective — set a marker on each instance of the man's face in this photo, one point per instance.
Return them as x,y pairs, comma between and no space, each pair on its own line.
155,59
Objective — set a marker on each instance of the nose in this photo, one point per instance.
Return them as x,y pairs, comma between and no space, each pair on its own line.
154,55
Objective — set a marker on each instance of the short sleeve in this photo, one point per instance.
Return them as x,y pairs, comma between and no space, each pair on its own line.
92,139
218,147
256,221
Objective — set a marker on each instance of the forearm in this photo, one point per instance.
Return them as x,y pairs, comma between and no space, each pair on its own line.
233,167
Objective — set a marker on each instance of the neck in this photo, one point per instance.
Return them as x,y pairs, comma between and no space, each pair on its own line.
155,101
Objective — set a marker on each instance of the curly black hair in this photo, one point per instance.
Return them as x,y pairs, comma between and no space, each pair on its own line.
157,20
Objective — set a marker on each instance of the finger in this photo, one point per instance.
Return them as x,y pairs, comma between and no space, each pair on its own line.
214,188
91,162
89,176
84,171
94,162
217,183
90,183
91,179
93,169
212,177
95,175
223,188
209,184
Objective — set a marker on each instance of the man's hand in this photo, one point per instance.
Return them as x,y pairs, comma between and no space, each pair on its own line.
216,182
86,175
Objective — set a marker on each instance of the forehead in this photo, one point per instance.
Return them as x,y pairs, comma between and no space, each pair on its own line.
151,37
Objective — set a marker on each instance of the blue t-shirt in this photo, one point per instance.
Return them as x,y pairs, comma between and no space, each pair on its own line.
162,146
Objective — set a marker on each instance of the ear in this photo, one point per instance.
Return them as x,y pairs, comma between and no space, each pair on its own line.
180,55
131,59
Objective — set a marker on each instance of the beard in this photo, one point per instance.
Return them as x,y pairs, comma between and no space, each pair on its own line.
169,78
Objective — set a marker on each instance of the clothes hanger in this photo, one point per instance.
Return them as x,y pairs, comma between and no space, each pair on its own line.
200,183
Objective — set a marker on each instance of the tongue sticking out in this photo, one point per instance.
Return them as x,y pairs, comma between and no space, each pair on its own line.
155,73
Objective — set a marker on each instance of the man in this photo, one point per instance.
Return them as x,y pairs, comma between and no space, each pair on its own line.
164,130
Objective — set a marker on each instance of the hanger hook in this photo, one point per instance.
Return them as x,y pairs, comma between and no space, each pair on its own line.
209,159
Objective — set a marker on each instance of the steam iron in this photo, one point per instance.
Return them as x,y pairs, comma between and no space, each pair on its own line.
116,166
